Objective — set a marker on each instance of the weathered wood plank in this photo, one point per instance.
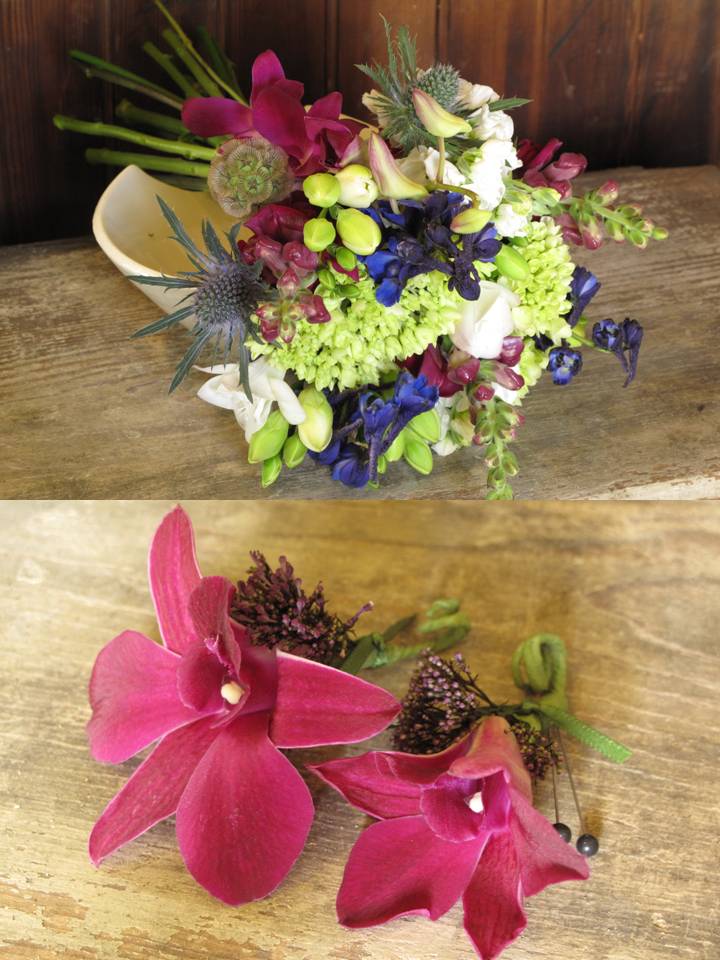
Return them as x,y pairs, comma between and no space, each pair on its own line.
85,412
633,590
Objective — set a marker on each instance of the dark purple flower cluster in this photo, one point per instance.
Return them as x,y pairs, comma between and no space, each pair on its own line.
621,339
370,417
583,287
418,239
276,612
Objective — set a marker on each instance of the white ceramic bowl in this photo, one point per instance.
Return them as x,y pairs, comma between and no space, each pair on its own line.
131,230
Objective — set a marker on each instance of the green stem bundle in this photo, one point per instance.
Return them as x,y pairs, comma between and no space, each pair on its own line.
148,161
190,151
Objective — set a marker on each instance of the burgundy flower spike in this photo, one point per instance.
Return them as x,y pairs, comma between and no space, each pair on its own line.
451,825
221,708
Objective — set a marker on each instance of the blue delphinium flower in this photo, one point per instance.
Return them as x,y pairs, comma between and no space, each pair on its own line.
623,340
583,287
564,363
351,466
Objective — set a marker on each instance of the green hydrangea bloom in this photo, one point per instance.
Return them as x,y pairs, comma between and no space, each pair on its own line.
364,338
544,292
531,366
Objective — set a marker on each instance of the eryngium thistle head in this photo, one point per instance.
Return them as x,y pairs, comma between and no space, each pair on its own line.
441,82
225,293
244,174
276,612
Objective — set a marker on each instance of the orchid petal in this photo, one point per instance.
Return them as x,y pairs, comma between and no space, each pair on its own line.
424,769
216,116
134,698
318,705
492,902
327,107
199,679
245,814
153,792
266,70
400,867
544,856
368,783
174,574
493,748
281,120
445,808
209,607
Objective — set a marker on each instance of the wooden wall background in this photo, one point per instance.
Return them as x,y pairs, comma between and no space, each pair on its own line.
625,81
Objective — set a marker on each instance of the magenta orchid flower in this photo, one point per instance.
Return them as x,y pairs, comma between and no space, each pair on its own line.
455,824
313,140
222,710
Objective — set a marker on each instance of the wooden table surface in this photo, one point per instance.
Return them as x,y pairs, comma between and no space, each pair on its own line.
632,588
85,411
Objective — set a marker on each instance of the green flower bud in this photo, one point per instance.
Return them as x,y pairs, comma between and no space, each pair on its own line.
316,430
471,220
358,231
346,258
435,118
269,439
321,189
293,452
418,454
357,187
426,426
511,264
659,233
396,449
270,471
318,234
382,465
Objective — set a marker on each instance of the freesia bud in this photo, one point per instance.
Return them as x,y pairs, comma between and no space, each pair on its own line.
512,349
608,192
511,264
357,187
318,234
268,441
426,426
346,259
316,430
659,233
359,232
418,454
294,451
482,394
435,118
396,449
566,167
270,471
321,189
391,181
470,220
591,233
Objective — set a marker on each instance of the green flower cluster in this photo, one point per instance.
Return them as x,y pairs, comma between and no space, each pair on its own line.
544,291
363,339
531,366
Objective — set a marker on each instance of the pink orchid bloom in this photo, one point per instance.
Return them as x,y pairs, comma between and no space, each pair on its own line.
313,140
222,709
455,824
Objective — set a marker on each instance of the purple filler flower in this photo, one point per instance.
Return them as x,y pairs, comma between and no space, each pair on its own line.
623,340
564,363
583,288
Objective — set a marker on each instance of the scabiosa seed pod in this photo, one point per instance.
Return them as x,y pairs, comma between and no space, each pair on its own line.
247,173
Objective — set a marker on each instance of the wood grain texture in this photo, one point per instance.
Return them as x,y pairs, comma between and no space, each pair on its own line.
624,81
632,588
84,411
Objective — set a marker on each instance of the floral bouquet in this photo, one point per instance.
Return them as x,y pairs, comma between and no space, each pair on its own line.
391,290
248,671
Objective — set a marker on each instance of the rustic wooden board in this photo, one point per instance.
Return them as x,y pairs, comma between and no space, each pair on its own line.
85,411
632,588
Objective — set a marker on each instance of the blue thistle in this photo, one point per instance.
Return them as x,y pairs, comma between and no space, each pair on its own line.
224,294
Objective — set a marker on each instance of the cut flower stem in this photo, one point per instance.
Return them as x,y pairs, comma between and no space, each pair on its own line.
190,151
148,161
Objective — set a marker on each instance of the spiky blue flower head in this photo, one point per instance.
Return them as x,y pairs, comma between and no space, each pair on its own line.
225,292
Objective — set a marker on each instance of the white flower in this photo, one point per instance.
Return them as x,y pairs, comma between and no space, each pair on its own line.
472,96
485,322
267,385
456,427
445,445
488,123
495,159
422,163
509,223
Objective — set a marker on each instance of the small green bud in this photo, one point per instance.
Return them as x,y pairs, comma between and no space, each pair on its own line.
395,450
418,454
318,234
346,258
270,471
471,220
294,451
659,233
321,189
382,465
358,231
511,264
426,426
316,429
269,439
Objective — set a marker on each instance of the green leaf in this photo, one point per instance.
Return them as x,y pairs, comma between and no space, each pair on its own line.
586,734
360,654
509,103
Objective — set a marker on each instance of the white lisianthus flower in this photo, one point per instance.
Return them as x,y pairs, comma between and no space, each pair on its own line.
267,385
492,162
485,322
472,96
422,164
445,445
456,427
509,223
488,123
